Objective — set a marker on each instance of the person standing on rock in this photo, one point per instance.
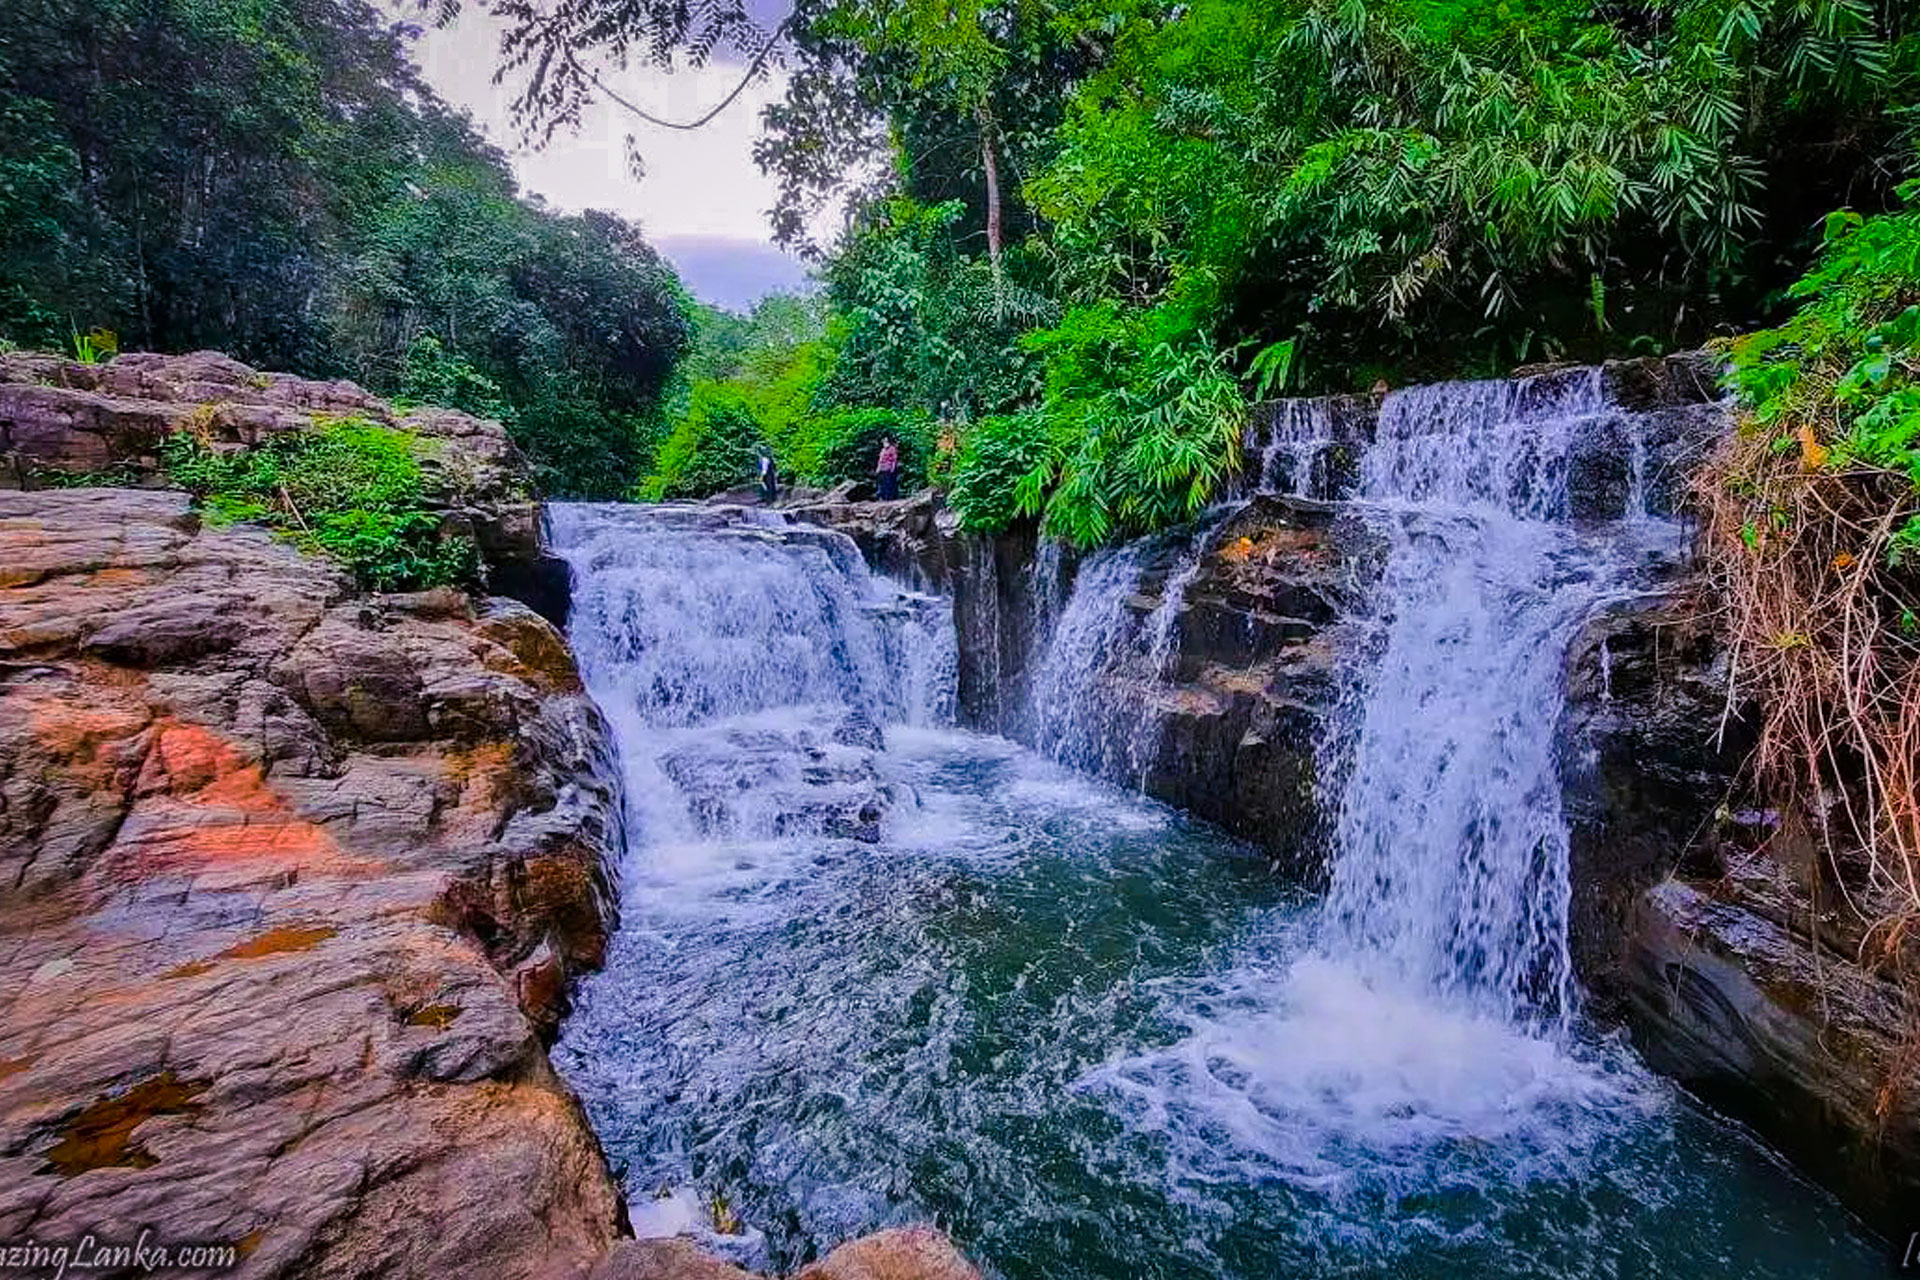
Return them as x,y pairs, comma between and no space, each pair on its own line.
769,475
889,469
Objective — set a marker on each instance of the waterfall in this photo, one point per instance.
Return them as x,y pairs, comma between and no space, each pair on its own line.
1096,701
1425,1012
1074,714
709,636
1290,450
1450,863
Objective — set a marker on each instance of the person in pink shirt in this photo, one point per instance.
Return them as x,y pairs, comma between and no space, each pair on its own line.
889,469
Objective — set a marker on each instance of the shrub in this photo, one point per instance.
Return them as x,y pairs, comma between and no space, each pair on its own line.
1144,419
349,489
711,449
434,375
992,469
849,446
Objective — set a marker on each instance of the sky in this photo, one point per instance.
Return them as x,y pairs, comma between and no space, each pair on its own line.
702,202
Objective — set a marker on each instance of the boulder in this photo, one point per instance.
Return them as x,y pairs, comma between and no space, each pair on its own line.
902,1253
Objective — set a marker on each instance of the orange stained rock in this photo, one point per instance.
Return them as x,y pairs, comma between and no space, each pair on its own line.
122,576
489,768
192,761
84,736
279,941
207,802
100,1136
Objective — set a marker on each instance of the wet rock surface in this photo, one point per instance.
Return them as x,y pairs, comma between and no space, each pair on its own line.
1258,644
1705,921
781,783
911,541
294,880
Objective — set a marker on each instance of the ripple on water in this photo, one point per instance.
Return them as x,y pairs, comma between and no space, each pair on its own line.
1097,1041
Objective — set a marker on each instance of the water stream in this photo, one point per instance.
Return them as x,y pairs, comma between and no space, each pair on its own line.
873,969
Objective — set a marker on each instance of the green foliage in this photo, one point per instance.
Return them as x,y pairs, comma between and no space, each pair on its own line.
271,178
1840,380
849,443
1145,422
711,449
120,476
349,489
94,346
918,324
565,329
433,375
997,454
1463,185
1211,200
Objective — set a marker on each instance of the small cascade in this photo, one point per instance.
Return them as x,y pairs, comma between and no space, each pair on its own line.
1095,703
741,664
1636,508
1291,450
1450,861
1072,714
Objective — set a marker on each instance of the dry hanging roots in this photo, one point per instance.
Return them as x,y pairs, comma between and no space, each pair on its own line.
1825,635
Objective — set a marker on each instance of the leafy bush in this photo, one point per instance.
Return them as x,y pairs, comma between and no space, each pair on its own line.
434,375
849,446
1145,425
917,324
1841,378
349,489
711,449
995,456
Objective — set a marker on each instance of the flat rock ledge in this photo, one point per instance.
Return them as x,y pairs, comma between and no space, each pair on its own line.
62,421
293,882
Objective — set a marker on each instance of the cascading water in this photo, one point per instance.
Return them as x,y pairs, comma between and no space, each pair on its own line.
1072,717
1450,861
702,638
870,973
1292,450
1092,703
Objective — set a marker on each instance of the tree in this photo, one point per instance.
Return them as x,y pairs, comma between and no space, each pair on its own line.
271,178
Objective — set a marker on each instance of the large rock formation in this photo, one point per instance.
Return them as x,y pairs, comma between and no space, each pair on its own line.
1708,921
294,883
63,422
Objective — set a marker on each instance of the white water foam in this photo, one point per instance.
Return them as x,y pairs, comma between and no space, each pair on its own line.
1430,1012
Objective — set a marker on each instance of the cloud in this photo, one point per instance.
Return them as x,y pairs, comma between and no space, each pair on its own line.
701,192
733,273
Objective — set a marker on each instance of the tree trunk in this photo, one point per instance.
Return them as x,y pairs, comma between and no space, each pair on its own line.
991,165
